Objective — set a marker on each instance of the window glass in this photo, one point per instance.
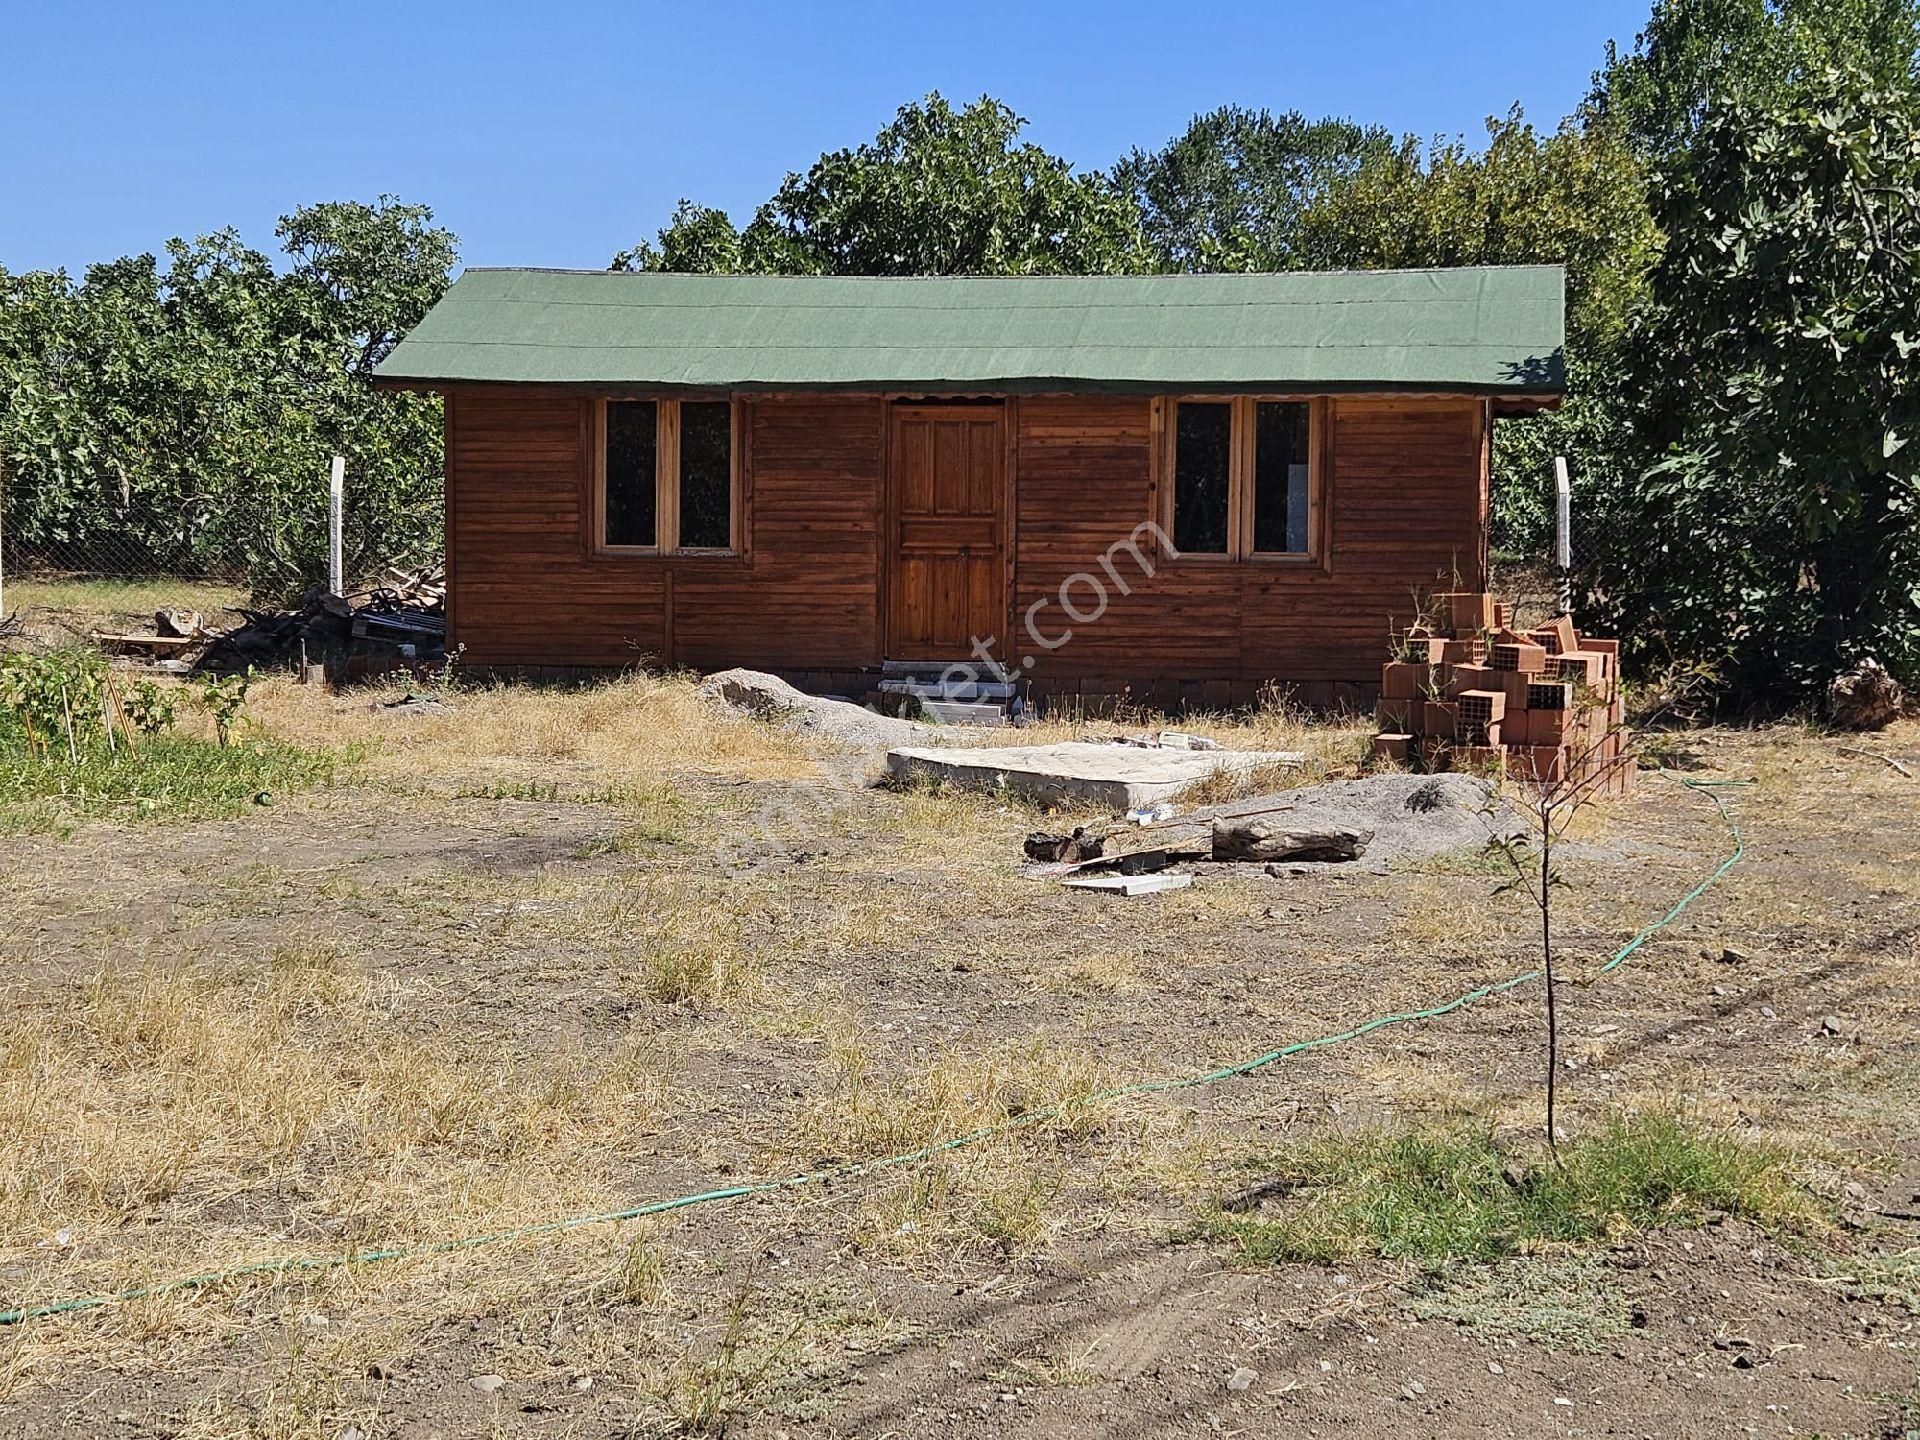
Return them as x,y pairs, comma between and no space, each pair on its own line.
632,441
1202,452
706,474
1280,477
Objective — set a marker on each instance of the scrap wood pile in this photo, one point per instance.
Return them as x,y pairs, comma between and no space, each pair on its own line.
398,624
1472,692
391,626
1130,860
178,638
1382,818
1251,830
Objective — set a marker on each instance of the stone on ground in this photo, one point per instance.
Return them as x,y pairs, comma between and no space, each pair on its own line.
769,698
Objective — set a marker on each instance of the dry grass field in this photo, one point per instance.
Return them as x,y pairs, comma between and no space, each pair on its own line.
556,953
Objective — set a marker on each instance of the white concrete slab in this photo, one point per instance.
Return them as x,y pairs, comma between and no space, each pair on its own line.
1118,777
1130,884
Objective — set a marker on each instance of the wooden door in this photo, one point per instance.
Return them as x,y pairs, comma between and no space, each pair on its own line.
949,528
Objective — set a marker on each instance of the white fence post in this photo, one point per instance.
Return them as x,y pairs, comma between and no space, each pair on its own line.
1563,531
336,512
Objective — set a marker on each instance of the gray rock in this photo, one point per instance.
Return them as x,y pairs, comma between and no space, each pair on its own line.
487,1384
773,700
1242,1378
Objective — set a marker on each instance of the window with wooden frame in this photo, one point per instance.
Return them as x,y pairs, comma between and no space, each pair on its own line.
666,477
1243,477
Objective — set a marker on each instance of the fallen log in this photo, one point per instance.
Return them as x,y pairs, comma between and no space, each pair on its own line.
1269,837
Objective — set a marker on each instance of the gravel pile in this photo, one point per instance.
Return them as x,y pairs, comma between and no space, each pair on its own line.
1411,816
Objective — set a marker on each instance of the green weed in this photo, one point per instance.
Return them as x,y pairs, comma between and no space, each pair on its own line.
1894,1277
170,778
1442,1196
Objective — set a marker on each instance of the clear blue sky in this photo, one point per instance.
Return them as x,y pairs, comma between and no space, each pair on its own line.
558,133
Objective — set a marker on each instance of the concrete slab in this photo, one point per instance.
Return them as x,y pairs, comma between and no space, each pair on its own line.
1116,777
1130,884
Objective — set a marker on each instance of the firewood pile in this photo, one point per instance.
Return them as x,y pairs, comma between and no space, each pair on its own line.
1472,692
399,624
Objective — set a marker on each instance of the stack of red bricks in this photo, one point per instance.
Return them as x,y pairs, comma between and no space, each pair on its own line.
1541,704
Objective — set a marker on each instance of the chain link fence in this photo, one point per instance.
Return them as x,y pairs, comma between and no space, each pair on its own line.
105,582
82,559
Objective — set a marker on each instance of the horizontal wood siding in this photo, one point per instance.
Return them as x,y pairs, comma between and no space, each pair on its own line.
1405,494
1405,500
525,590
529,591
809,599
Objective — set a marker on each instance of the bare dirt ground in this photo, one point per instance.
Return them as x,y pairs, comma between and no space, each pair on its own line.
557,953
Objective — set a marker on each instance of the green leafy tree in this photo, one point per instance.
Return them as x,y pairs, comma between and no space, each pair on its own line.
1776,530
1693,52
1576,197
1229,192
939,191
699,240
180,414
362,276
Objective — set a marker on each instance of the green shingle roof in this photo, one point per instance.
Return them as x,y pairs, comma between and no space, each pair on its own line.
1494,330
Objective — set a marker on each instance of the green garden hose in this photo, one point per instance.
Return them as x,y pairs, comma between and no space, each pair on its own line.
296,1264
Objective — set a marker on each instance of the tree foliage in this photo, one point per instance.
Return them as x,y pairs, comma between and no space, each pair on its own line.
1229,192
1775,526
698,240
1694,52
1575,197
180,414
939,191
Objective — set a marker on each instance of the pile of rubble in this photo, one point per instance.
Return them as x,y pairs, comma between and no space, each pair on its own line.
400,624
1471,691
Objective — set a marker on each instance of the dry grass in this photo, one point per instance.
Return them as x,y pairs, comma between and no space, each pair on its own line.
1445,914
616,738
776,1348
280,1039
1332,748
1105,972
995,1197
175,1093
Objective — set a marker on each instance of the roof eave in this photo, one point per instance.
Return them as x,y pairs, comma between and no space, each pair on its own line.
1527,397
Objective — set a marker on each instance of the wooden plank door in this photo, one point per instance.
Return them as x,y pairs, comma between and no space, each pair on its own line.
949,524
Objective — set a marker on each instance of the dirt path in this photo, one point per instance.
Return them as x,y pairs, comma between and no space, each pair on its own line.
491,965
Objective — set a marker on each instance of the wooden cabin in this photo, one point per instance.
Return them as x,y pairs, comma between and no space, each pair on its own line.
1180,488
